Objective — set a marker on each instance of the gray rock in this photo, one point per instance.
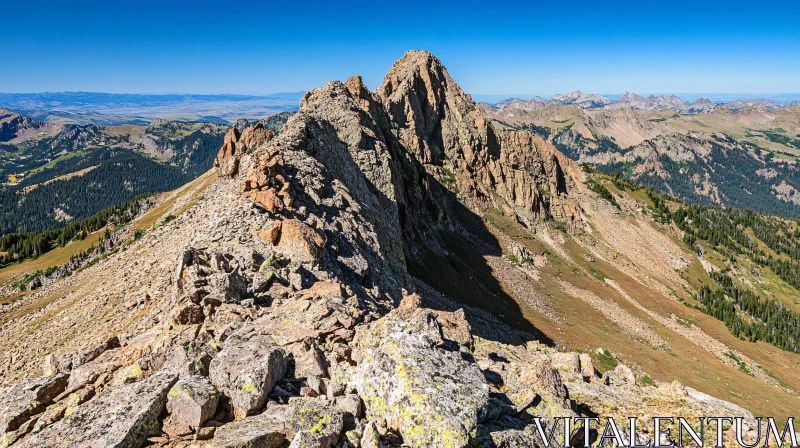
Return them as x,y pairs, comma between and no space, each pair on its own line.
261,431
192,401
400,369
305,421
307,439
247,372
191,359
318,424
19,402
135,408
351,404
371,437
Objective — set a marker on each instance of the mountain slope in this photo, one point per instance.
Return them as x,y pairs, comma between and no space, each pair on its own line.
403,272
57,173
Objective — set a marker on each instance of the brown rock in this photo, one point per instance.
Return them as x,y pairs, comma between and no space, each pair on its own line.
176,430
267,199
300,242
188,314
323,289
227,162
205,433
271,235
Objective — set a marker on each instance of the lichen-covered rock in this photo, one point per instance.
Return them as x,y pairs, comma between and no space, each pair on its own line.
135,409
246,372
21,401
432,397
67,405
192,401
306,439
318,424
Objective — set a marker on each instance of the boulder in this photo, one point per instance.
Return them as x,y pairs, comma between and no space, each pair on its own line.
246,372
188,314
309,360
189,359
587,367
568,362
307,439
135,408
400,369
371,437
59,363
267,199
192,401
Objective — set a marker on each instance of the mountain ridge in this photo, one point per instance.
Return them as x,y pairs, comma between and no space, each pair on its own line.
649,103
386,251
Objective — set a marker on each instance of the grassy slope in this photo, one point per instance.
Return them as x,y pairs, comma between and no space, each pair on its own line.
584,328
62,255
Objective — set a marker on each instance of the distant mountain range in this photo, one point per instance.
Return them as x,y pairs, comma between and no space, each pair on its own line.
637,102
112,109
741,154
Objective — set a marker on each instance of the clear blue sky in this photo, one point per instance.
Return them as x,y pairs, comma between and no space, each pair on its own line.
490,47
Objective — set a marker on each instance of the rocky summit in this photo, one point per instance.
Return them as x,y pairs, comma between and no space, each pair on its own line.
296,302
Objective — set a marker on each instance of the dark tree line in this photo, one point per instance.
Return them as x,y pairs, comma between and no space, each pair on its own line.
20,246
768,320
734,232
118,176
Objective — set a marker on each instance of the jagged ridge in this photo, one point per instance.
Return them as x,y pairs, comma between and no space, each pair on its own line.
290,299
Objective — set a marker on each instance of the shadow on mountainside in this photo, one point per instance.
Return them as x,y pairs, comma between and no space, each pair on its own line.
444,243
462,274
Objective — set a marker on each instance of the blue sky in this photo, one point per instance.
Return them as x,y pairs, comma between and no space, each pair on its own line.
490,48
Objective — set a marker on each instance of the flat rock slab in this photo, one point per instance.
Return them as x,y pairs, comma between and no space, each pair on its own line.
308,421
119,418
22,400
261,431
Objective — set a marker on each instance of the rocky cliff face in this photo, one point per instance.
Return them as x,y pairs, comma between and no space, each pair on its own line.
282,310
12,124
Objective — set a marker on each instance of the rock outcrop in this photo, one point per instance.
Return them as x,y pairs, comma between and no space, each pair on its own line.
406,375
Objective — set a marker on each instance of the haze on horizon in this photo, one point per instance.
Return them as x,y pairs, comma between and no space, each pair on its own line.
526,47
